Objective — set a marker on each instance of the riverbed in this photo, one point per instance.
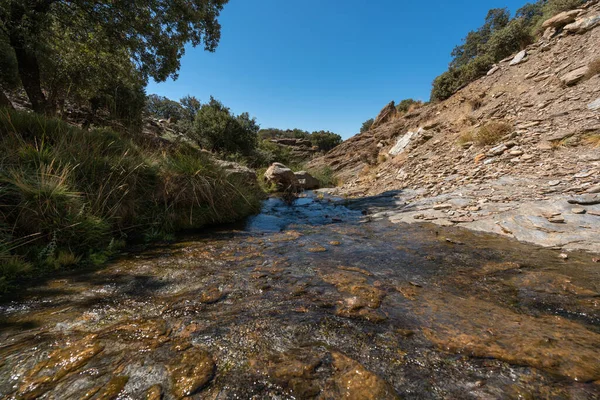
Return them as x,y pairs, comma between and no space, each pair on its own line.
312,300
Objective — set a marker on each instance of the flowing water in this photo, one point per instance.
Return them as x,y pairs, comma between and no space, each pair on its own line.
312,300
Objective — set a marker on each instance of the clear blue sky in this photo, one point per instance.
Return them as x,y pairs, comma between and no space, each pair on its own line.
326,64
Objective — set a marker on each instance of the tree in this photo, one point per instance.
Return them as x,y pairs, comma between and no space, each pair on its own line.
153,33
191,105
366,125
217,129
325,140
163,107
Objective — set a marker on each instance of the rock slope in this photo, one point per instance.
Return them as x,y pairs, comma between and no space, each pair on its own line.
538,183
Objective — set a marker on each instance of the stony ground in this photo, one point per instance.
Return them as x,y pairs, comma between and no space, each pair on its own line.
527,184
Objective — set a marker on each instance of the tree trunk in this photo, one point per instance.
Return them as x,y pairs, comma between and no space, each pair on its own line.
29,72
25,20
4,101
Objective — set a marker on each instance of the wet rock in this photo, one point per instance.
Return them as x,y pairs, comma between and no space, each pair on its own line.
59,364
364,298
306,180
521,57
112,389
482,329
155,392
296,371
574,76
280,176
354,382
211,295
192,372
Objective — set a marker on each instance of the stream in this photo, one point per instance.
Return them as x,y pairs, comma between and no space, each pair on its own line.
312,300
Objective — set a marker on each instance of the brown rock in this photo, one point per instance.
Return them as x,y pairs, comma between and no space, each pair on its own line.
281,176
355,382
574,76
561,19
386,114
192,372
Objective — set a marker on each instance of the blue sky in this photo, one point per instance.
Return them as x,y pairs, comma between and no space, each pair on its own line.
326,64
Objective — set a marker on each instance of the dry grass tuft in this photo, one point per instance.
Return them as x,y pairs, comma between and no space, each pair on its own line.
492,132
593,140
593,68
475,103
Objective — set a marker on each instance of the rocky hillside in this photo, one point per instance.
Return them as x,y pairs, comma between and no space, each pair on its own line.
529,131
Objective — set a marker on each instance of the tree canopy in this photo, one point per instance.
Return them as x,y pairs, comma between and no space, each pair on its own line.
146,37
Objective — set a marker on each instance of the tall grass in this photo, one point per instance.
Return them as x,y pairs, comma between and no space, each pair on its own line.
72,197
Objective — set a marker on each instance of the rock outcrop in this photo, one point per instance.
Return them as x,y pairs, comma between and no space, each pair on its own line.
388,113
550,154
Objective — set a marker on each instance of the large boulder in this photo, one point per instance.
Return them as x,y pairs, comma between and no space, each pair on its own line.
583,25
281,176
561,19
306,180
385,115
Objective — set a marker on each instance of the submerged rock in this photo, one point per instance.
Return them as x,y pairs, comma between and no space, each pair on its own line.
192,372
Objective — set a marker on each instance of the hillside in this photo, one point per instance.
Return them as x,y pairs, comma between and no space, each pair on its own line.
545,110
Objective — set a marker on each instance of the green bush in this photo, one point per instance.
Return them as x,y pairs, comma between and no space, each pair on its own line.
367,125
496,39
71,196
217,129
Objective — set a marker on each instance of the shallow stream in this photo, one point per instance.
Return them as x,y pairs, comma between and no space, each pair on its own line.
312,300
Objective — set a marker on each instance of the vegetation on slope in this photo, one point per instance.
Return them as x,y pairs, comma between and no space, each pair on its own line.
71,196
499,37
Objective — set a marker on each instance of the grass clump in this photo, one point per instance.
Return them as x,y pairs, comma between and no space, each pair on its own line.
72,197
492,132
325,176
593,140
593,68
489,134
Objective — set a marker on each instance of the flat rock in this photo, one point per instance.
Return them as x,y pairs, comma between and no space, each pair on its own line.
521,57
585,199
594,105
574,76
578,210
561,19
496,151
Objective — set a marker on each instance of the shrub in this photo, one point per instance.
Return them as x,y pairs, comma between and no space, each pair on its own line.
71,196
217,129
407,105
492,132
366,125
325,140
325,176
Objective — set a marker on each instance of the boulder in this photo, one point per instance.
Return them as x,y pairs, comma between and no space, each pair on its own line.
237,170
281,176
561,19
306,180
385,115
583,25
521,57
574,76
